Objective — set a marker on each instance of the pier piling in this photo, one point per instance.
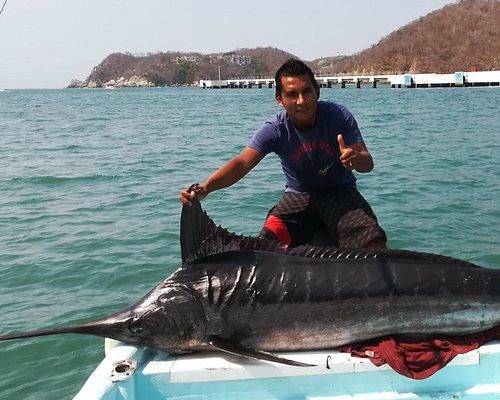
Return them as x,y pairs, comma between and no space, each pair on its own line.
457,79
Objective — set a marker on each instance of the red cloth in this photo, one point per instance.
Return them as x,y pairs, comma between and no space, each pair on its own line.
419,359
276,225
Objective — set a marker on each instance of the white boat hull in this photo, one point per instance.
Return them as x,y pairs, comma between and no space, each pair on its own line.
210,376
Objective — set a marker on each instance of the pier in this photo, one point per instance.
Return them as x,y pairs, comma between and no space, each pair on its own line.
457,79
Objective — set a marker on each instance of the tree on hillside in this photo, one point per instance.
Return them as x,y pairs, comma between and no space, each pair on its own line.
185,73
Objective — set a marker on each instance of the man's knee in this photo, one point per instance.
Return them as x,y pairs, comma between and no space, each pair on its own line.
275,229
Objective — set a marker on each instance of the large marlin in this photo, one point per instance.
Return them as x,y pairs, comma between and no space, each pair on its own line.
248,296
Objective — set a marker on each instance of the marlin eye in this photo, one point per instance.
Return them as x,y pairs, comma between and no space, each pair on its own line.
135,327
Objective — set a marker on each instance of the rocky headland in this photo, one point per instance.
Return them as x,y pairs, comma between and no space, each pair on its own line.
461,36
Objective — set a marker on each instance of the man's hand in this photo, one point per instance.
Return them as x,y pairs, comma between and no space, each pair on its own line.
194,191
355,157
347,154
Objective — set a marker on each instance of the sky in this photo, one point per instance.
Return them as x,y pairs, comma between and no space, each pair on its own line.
46,44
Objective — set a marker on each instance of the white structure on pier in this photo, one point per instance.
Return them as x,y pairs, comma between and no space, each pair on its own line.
458,79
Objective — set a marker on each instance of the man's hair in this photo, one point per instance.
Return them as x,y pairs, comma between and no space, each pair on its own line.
292,67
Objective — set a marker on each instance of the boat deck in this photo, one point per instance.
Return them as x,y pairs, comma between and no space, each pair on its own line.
210,376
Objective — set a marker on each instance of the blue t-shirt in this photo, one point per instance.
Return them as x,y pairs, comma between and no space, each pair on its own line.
310,158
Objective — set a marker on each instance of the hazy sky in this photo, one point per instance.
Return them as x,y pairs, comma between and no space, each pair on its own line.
45,44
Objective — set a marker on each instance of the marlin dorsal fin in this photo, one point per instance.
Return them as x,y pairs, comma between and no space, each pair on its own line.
196,226
201,237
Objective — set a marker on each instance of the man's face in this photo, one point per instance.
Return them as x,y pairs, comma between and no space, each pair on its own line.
299,97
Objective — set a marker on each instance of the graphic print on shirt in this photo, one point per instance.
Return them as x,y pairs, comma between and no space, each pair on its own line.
315,157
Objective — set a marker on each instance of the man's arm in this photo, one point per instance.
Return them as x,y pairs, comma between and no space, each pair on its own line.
225,176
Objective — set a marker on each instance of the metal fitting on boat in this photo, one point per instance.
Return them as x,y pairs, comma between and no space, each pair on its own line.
122,370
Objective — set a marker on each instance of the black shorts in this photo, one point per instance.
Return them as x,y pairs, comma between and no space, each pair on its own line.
346,215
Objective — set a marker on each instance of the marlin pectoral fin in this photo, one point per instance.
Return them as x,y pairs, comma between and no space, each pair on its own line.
239,350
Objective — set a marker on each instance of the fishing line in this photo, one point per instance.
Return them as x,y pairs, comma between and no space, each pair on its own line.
4,3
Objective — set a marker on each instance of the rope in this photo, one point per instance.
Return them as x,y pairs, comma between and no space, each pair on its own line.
4,3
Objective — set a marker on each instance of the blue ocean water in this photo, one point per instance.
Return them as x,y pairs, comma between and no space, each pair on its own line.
90,179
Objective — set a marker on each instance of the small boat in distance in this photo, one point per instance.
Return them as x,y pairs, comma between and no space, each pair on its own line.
110,84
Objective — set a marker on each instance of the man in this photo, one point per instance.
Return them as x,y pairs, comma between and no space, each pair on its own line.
319,145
